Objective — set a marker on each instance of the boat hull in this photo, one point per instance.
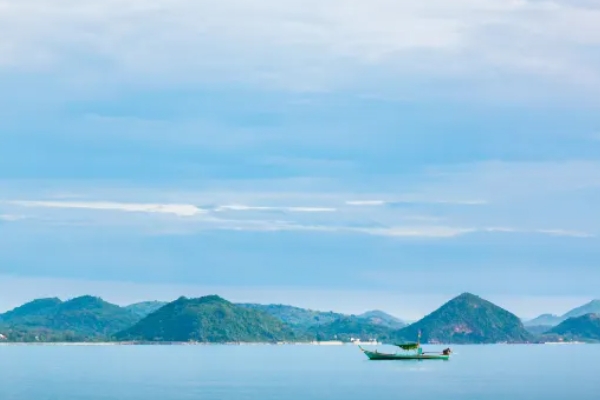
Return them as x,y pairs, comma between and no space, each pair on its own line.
377,356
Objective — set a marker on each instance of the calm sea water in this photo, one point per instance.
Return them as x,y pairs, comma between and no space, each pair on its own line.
295,372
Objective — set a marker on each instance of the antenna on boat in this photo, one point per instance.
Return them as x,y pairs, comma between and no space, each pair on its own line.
419,338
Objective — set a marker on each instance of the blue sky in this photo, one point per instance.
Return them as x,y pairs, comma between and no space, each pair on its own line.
341,155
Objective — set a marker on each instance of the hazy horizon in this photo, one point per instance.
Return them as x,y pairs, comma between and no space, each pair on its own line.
347,302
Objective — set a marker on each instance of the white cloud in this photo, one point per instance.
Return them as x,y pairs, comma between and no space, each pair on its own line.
414,200
240,207
182,210
11,217
562,232
211,222
450,202
550,232
407,231
304,44
423,231
366,202
500,229
520,199
462,202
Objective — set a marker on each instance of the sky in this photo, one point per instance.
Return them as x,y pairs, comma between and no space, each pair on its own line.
340,155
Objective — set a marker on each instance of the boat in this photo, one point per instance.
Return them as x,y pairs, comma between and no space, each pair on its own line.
411,351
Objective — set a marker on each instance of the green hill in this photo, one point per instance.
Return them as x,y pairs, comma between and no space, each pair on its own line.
207,319
80,319
468,319
584,328
351,327
305,318
299,318
145,308
377,317
30,310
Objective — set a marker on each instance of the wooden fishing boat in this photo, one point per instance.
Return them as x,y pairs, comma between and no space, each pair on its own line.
411,351
377,356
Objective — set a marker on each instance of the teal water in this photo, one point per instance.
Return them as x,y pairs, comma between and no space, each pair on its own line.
294,372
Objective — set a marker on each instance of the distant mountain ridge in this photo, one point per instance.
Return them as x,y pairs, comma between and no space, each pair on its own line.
351,327
145,308
544,320
593,307
551,320
295,316
302,318
378,317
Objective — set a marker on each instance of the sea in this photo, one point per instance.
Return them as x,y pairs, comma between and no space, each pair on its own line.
295,372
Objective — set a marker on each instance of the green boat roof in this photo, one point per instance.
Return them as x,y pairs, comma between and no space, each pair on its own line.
408,346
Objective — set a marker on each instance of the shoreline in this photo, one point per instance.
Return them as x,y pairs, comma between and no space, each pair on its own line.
174,344
148,343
